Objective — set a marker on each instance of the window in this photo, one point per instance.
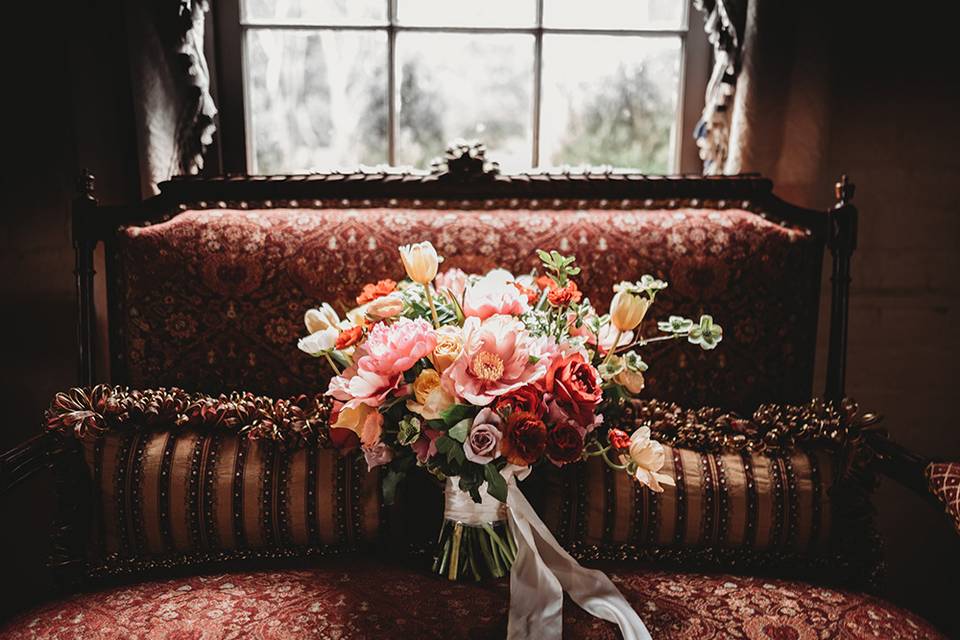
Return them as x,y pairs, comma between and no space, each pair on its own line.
319,84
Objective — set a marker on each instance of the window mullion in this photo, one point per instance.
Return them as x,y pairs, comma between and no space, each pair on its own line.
392,96
537,84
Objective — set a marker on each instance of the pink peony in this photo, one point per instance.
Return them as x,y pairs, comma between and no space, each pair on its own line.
498,356
494,294
452,280
390,349
394,348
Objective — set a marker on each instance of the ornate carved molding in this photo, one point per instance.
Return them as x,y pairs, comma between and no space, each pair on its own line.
465,161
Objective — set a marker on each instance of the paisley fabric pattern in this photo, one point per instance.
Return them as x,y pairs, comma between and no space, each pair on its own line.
357,600
944,480
212,299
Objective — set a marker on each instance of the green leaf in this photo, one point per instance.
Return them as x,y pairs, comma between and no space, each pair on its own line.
444,444
455,414
496,485
459,431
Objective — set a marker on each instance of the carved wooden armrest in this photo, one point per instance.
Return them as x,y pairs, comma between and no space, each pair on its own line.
897,462
25,460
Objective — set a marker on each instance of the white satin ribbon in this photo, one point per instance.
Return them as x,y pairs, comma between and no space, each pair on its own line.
543,571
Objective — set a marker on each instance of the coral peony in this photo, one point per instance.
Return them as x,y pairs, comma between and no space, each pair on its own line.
498,356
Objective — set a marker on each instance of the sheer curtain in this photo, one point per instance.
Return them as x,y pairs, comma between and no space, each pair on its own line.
767,101
174,110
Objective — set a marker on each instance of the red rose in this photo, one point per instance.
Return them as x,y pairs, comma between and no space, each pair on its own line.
564,444
373,291
575,386
524,438
619,439
563,296
527,398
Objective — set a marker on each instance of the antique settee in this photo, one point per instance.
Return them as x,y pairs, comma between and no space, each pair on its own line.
199,496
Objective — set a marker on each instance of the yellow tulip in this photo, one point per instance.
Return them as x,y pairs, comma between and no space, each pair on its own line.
421,261
627,310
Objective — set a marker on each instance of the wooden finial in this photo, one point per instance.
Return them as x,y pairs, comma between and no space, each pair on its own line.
844,190
86,183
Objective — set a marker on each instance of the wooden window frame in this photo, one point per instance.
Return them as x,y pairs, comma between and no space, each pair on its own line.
233,151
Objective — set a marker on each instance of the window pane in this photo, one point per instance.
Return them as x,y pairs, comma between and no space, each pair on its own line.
467,13
317,99
465,86
322,11
615,14
617,105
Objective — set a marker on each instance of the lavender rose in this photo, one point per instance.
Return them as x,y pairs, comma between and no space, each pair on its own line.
378,454
483,442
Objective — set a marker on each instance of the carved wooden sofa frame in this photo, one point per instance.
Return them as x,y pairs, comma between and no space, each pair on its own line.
462,174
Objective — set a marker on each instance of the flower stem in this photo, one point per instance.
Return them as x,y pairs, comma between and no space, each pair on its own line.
333,364
613,349
433,309
613,465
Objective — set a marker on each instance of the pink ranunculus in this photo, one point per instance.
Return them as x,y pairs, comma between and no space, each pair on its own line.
452,280
390,349
483,442
494,294
377,455
496,359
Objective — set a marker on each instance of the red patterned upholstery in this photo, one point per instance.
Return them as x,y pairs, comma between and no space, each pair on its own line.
212,300
944,480
358,600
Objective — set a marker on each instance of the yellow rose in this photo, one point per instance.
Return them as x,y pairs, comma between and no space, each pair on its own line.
421,261
627,310
449,346
430,400
426,382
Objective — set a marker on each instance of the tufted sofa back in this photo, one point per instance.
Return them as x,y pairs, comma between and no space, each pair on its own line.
212,299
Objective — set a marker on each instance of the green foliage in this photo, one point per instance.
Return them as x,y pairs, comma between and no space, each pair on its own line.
496,485
626,123
557,266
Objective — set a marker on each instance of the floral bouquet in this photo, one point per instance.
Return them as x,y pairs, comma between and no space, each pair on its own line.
479,378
